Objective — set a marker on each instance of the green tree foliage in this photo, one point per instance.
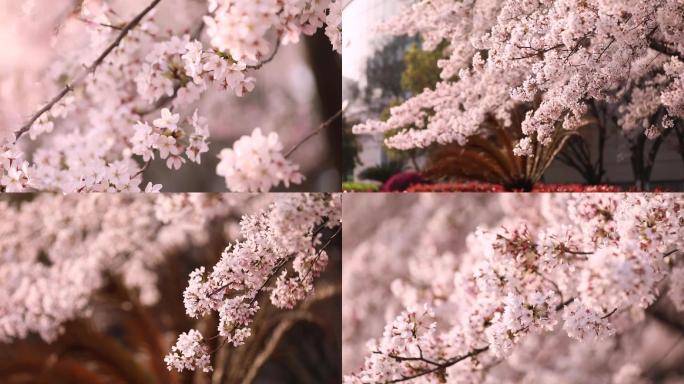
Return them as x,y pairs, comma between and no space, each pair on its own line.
421,68
385,69
420,72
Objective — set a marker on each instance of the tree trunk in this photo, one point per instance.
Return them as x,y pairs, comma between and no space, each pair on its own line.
327,70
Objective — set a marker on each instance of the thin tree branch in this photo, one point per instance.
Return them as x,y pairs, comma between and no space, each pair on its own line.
609,314
269,59
270,347
320,251
665,318
667,353
276,270
316,131
262,288
166,100
69,87
442,366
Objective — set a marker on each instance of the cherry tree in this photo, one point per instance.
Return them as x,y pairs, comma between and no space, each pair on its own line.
99,263
117,87
518,288
557,59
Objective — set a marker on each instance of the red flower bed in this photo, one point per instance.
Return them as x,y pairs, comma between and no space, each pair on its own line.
485,187
575,188
456,187
402,181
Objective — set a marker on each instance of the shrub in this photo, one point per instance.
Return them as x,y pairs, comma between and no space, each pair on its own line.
489,187
382,172
355,186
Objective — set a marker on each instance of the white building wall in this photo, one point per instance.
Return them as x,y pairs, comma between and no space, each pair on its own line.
359,42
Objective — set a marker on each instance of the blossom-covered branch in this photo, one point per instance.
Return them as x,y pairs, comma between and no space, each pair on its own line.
143,100
567,267
90,69
257,162
288,232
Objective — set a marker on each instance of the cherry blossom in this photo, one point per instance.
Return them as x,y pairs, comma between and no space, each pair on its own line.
286,234
333,23
117,85
676,292
256,163
189,353
472,288
167,120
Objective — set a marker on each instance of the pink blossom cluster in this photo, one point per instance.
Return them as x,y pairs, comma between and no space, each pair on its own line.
182,68
333,25
165,136
240,28
14,172
256,164
57,252
189,352
564,271
553,56
280,250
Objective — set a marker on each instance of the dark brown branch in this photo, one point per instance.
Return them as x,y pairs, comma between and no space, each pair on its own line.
149,335
275,271
159,104
166,100
680,137
259,292
668,253
666,354
663,317
441,366
112,26
553,283
269,59
664,49
81,336
421,359
69,87
577,252
609,314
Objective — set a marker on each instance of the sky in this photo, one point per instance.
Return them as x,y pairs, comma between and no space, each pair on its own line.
359,19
